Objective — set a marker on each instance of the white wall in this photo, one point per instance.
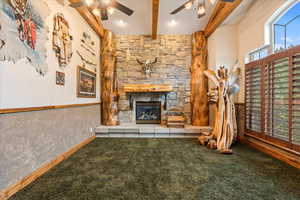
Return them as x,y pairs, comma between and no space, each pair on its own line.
21,86
222,51
223,47
251,30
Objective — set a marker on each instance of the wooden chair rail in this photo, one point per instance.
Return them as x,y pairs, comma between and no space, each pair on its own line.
39,108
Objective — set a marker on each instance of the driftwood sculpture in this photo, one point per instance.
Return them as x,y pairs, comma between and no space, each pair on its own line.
225,129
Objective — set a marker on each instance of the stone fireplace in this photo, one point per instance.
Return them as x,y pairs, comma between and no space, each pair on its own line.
172,68
148,112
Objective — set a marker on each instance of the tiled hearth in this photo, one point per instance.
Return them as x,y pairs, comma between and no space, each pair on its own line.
150,131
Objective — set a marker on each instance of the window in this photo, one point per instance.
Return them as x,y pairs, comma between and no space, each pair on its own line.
286,29
272,87
259,53
281,31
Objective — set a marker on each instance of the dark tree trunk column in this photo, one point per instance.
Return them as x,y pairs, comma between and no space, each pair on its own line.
108,80
199,83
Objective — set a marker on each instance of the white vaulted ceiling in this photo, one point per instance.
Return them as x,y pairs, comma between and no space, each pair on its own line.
141,20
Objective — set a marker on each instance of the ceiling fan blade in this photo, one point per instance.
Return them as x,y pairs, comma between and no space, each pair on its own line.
104,15
181,7
77,4
122,8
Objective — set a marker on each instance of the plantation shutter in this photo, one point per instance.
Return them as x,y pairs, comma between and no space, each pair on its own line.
253,99
272,99
277,106
295,101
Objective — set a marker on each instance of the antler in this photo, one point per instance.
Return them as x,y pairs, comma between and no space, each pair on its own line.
139,62
2,43
155,61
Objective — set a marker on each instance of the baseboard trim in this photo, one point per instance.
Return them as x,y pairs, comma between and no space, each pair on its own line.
280,154
11,190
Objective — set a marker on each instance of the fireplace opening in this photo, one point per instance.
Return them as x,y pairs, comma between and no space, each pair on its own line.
148,112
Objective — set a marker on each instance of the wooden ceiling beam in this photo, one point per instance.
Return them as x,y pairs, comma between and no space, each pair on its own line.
95,24
221,11
155,11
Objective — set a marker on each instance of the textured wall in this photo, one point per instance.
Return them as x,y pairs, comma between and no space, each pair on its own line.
240,117
173,67
30,139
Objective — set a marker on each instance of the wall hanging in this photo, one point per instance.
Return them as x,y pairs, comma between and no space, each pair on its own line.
88,43
23,32
60,78
86,61
86,83
87,51
62,40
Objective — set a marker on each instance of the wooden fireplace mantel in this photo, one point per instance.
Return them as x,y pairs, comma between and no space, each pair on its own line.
147,88
136,88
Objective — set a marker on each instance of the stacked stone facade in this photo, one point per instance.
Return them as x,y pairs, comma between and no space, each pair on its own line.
173,67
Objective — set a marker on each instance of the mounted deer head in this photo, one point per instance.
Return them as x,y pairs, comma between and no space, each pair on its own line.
147,66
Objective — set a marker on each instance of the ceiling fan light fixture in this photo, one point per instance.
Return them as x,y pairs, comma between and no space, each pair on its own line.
110,10
201,10
106,2
89,2
96,12
188,5
212,1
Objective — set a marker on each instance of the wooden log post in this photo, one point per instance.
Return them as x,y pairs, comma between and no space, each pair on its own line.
108,80
199,82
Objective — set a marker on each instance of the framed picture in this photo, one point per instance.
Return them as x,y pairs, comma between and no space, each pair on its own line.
86,83
60,78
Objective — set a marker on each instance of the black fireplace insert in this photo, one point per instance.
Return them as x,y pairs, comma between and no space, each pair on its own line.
148,112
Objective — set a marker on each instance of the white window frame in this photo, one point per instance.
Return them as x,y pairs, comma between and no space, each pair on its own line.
269,26
269,29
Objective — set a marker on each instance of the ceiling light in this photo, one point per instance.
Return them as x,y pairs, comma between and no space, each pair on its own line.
96,12
212,1
110,10
106,1
188,5
121,23
89,2
201,10
173,22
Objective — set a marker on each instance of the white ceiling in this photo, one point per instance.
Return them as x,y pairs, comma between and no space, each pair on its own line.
141,20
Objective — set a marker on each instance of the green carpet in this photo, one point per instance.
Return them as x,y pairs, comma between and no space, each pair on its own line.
167,169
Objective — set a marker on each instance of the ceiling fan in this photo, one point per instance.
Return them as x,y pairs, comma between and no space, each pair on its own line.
200,6
103,7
